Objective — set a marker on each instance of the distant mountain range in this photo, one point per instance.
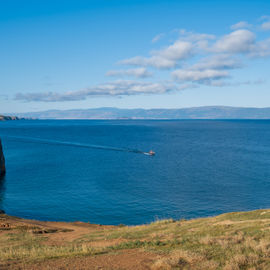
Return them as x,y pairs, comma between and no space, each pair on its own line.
208,112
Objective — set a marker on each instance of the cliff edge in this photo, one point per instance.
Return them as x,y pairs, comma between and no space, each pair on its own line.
2,161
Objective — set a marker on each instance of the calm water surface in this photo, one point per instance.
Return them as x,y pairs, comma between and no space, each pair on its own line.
201,168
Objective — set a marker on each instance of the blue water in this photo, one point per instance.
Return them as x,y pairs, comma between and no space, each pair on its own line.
87,170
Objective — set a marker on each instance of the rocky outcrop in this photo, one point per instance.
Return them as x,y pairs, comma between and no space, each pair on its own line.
2,161
7,118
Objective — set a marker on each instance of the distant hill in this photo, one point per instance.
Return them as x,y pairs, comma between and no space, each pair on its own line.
6,118
208,112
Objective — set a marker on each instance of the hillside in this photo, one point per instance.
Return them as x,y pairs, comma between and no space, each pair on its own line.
229,241
209,112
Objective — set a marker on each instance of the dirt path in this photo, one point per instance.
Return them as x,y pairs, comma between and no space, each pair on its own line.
55,231
124,260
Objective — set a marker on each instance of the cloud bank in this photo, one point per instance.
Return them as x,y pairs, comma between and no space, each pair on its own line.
115,88
136,72
164,58
266,23
190,60
241,25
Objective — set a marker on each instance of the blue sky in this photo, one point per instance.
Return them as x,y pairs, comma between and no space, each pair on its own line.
133,54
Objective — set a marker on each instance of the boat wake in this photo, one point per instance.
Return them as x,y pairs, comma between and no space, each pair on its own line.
147,154
74,144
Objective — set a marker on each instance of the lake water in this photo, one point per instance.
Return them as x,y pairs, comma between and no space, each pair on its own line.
201,168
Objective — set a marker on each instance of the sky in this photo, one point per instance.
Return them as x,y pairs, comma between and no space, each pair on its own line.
133,54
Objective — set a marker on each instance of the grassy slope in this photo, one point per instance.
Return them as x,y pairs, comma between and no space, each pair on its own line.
229,241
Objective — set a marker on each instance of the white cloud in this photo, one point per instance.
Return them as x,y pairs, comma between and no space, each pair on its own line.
189,44
205,59
115,88
221,83
218,62
209,70
264,17
239,41
157,38
154,61
178,50
241,25
198,40
136,72
261,49
193,37
182,49
165,58
199,75
266,26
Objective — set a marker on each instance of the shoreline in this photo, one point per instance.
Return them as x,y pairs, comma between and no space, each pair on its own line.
30,220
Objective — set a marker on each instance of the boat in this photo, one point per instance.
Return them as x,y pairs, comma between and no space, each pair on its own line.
151,153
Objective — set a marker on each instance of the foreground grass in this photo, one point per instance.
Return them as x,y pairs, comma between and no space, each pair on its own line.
230,241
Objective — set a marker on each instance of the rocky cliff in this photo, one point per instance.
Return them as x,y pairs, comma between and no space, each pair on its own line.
2,161
6,118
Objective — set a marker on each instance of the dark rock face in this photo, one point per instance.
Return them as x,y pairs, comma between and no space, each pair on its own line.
6,118
2,161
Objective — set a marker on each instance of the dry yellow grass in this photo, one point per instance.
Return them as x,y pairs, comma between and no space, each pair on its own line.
232,241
